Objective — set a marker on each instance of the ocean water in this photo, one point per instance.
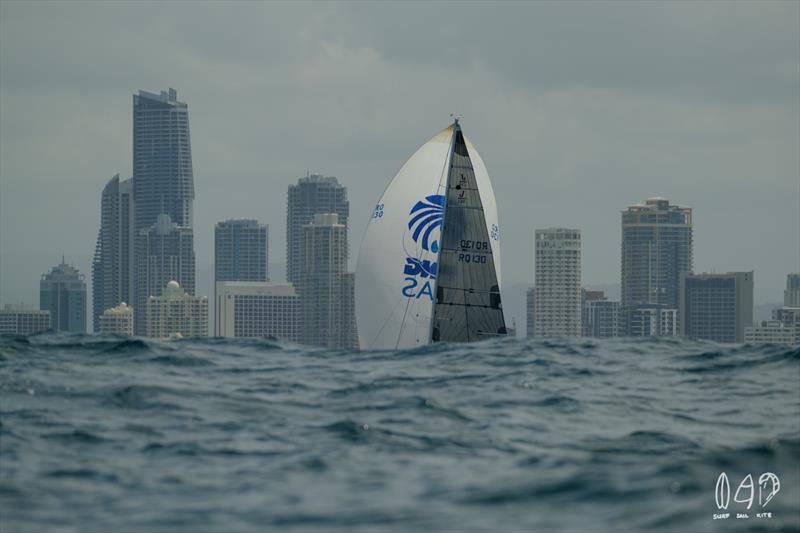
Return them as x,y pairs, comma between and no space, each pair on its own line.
107,434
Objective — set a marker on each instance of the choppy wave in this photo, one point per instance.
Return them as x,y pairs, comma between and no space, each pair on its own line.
110,434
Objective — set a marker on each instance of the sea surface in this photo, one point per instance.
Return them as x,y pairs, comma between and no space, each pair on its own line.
109,434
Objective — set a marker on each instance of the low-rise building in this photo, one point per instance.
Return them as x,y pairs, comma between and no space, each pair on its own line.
257,309
770,332
23,320
177,314
117,320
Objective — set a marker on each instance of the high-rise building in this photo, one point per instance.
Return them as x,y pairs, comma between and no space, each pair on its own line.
530,312
347,310
656,253
117,320
716,307
163,194
558,282
326,289
164,252
257,309
599,316
791,296
312,195
23,320
163,181
240,253
177,314
112,266
62,291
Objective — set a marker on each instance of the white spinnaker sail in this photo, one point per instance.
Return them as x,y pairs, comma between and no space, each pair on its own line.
398,258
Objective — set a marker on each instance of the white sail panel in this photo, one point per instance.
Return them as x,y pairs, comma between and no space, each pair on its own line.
397,261
489,205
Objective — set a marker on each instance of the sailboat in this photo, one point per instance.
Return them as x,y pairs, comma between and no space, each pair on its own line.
429,266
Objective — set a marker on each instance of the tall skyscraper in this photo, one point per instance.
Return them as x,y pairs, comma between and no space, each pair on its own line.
311,195
163,194
176,313
558,282
112,266
62,291
23,320
257,309
326,289
164,252
791,296
240,254
656,253
240,251
716,307
163,181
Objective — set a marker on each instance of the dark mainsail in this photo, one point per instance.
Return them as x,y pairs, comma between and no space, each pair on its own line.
467,303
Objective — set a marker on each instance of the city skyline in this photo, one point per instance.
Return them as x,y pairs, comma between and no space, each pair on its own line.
243,172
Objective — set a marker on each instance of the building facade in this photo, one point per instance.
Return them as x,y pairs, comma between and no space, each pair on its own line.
240,253
312,195
62,292
558,282
716,307
530,312
347,309
248,309
164,252
790,318
177,313
117,320
770,332
22,320
600,318
163,195
112,265
325,287
653,320
163,180
791,296
656,254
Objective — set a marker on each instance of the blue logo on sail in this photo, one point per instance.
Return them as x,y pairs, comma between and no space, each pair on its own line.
428,215
421,268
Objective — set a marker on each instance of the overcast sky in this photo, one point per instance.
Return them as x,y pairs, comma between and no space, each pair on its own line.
578,110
